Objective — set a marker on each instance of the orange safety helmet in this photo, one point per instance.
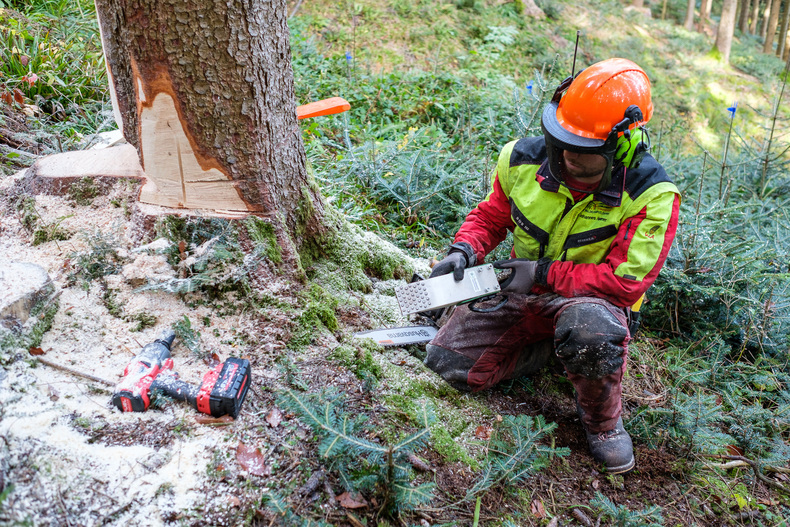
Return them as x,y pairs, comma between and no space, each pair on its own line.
595,112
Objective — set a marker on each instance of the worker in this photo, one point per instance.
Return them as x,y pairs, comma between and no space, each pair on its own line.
593,216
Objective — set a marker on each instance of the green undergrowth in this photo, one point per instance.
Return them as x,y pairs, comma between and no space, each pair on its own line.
51,58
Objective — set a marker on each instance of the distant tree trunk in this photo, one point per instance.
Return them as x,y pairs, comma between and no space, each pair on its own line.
638,3
755,16
726,29
764,19
704,14
689,22
743,23
780,48
773,21
205,89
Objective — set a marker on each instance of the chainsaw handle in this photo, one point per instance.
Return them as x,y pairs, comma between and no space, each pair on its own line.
473,304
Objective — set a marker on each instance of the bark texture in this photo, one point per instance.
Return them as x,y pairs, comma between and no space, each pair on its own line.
726,29
781,48
773,22
688,23
205,92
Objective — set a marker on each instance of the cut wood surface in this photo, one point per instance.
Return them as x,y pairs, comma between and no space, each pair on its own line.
174,176
54,174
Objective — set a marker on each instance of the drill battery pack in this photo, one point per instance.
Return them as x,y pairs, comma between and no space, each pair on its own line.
224,388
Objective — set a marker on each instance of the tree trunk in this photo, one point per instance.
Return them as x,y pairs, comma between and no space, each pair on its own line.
743,23
638,3
206,93
704,13
764,19
783,41
773,21
726,29
689,22
755,17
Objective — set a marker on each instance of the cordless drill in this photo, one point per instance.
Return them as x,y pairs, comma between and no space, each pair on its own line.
221,393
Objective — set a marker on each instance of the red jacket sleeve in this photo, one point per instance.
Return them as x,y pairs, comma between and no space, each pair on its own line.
603,280
487,225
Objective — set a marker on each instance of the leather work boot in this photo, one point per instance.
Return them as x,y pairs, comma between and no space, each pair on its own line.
613,448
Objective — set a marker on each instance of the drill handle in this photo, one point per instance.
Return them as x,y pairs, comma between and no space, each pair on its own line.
170,385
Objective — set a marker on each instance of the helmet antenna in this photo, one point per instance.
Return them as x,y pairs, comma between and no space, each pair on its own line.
575,50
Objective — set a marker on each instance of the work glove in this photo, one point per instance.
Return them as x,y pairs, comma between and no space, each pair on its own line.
522,275
460,256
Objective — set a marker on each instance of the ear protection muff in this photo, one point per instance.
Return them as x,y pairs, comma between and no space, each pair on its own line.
632,148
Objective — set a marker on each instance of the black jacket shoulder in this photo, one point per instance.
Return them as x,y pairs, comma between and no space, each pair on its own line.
648,173
528,151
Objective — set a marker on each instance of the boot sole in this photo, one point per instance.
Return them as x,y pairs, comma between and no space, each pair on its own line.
622,469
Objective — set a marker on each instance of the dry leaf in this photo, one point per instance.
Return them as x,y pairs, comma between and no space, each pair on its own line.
538,509
734,450
36,351
234,501
252,460
19,96
53,394
274,417
213,360
596,484
24,60
182,249
7,98
767,501
483,432
352,500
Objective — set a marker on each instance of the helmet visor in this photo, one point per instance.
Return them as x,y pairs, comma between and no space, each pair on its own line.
559,139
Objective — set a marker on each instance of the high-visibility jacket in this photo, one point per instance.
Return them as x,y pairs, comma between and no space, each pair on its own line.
610,245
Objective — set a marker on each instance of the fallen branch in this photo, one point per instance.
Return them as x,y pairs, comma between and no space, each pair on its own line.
74,372
739,464
755,466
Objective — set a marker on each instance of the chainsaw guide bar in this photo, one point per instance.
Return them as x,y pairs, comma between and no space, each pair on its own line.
400,336
443,291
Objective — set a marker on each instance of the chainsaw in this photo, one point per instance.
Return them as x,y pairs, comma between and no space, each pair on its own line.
429,296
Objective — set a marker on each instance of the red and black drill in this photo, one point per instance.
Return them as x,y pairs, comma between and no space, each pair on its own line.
221,393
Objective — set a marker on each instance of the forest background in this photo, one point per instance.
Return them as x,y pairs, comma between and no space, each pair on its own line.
436,88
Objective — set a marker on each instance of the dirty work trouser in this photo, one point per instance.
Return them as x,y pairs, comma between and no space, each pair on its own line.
474,351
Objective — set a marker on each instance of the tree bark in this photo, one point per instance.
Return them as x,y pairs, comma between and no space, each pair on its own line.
755,16
726,29
205,91
764,19
773,22
688,23
780,48
743,23
704,13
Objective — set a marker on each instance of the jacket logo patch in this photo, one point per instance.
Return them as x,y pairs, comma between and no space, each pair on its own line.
652,232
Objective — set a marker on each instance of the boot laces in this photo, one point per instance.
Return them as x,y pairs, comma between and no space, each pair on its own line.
609,434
